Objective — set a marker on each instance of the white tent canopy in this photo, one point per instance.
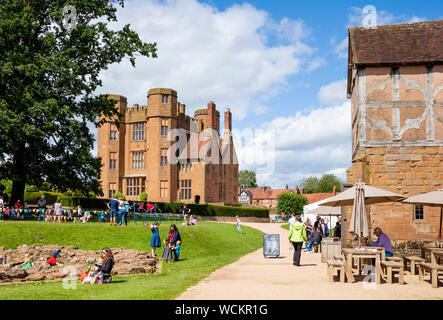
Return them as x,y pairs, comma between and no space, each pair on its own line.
330,214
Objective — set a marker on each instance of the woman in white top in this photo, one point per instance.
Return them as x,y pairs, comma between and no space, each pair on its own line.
58,210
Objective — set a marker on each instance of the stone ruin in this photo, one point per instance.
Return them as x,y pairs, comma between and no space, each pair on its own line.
126,262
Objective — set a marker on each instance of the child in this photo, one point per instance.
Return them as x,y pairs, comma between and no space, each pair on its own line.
155,240
167,251
13,213
238,224
177,249
6,213
53,260
102,216
27,264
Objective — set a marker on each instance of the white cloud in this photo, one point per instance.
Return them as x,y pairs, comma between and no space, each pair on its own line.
306,144
357,15
341,49
206,54
417,19
316,63
333,93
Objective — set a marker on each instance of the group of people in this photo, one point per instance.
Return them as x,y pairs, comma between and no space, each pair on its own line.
119,211
47,213
172,242
300,233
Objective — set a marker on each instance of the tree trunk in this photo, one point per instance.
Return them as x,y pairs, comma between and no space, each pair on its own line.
19,180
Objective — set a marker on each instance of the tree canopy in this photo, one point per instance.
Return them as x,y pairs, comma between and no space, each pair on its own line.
323,185
291,202
247,179
49,76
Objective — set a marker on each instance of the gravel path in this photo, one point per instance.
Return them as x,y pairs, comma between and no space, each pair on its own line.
254,278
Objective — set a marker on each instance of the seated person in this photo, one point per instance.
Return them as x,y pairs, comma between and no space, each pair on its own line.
53,260
103,270
192,221
316,238
337,230
383,241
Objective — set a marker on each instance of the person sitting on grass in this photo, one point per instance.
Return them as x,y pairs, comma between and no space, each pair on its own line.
27,264
53,260
383,241
192,221
103,270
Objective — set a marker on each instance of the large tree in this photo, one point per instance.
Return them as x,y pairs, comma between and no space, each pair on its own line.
291,202
323,185
49,73
247,179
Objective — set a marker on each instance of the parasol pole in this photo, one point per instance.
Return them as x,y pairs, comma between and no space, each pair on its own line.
441,218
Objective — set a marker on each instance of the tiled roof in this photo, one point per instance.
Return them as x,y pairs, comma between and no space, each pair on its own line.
272,194
406,43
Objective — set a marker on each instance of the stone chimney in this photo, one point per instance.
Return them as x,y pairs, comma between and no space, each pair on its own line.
286,187
334,190
228,120
211,121
297,190
302,191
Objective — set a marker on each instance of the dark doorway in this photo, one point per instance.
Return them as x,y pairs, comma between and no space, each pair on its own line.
197,199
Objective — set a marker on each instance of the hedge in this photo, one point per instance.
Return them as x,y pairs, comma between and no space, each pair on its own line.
165,207
172,207
32,197
84,203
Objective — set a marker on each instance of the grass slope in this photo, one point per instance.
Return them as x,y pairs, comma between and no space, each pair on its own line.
206,247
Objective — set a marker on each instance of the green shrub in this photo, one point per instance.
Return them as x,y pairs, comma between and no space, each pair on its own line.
119,196
32,197
143,196
85,203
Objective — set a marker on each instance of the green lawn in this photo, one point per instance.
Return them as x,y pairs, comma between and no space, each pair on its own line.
285,226
205,248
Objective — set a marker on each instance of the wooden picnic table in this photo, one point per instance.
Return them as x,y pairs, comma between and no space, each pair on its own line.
436,255
360,253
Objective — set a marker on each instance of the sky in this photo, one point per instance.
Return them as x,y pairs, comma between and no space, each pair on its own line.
280,66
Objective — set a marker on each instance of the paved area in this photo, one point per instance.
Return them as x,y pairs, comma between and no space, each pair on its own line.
254,278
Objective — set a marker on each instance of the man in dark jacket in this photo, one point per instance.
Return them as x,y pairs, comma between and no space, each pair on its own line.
41,203
316,236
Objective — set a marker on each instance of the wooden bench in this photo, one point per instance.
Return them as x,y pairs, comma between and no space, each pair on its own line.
395,259
391,266
316,248
414,261
333,265
433,270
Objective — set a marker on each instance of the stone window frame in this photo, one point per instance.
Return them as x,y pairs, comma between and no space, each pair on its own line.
414,212
113,132
112,160
163,188
186,189
165,98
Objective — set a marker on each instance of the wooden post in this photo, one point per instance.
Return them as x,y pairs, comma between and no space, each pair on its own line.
344,218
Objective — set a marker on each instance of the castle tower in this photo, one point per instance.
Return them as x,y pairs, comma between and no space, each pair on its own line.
162,117
110,148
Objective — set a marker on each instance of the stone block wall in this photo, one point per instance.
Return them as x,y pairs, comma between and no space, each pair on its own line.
408,170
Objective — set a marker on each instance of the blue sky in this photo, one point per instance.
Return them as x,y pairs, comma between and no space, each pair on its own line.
278,65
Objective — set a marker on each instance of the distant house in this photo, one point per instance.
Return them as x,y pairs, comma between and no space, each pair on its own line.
267,197
245,197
